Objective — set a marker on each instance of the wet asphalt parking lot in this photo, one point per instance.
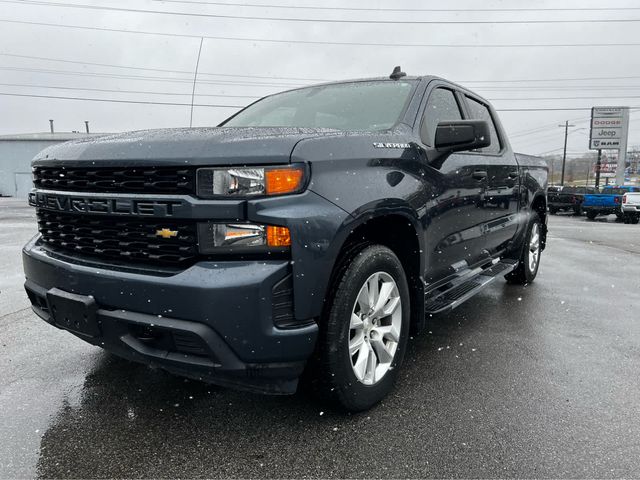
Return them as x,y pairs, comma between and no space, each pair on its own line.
535,381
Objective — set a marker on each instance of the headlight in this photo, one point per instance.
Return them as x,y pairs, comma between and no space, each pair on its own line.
250,181
241,238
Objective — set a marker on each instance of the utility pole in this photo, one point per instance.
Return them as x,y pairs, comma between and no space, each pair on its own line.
564,154
588,172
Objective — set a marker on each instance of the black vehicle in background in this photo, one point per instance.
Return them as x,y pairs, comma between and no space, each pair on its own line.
309,234
568,198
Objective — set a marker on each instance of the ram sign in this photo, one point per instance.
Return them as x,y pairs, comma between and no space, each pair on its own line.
609,130
609,126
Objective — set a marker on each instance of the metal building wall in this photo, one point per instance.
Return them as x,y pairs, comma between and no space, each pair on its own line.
15,165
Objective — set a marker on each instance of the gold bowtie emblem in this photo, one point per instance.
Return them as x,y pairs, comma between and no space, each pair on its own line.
166,233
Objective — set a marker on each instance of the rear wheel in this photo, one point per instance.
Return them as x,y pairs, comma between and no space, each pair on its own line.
364,331
577,210
529,263
592,215
631,218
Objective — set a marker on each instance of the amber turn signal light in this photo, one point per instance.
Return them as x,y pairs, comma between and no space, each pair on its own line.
278,236
283,180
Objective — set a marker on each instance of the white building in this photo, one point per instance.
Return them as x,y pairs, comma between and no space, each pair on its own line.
16,153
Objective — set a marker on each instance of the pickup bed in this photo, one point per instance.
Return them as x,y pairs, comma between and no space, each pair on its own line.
307,235
631,207
607,202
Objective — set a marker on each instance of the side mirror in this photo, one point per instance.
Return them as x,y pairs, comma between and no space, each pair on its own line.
460,135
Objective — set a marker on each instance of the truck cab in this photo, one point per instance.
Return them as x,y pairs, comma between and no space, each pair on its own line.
305,236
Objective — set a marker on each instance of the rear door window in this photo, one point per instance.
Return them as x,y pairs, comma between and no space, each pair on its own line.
479,111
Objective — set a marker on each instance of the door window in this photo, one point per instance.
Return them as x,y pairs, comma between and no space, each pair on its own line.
479,111
442,106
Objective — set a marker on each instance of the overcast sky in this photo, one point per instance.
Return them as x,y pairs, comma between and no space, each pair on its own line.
233,71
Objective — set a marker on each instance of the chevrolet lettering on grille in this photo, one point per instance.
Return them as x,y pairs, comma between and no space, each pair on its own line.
109,206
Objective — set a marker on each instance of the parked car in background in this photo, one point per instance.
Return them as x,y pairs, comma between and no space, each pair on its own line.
607,202
552,192
631,207
569,199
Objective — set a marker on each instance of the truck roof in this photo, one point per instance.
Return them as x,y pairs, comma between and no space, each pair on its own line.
428,78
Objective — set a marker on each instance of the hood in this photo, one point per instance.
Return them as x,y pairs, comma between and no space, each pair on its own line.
177,146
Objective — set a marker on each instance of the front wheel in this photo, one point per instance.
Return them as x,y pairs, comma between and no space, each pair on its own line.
364,330
529,261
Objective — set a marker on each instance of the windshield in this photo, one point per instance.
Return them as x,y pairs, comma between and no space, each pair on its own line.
368,106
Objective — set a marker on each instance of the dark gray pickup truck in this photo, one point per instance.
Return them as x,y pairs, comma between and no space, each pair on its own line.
305,237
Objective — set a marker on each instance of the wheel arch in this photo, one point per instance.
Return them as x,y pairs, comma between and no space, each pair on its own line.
539,206
399,230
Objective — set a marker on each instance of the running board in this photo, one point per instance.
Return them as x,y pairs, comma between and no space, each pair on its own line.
456,294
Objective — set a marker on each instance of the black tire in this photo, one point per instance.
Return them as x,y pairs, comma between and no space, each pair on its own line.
626,219
592,215
524,274
335,377
635,220
577,211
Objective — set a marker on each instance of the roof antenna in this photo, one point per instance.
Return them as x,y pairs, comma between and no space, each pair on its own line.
397,73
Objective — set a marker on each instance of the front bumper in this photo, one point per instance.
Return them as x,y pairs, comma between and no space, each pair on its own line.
630,208
212,321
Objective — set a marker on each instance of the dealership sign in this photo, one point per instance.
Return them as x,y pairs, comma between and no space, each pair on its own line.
609,130
609,127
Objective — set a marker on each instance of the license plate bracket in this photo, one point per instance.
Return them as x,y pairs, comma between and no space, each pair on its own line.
76,313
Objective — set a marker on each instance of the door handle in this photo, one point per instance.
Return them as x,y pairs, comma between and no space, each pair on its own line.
479,175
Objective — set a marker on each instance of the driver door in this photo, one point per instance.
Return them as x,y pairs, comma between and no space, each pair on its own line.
453,233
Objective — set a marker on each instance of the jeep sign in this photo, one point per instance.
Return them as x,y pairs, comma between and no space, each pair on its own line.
609,129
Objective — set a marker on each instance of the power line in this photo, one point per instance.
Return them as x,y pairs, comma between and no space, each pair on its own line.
242,106
553,125
147,92
233,75
551,109
146,77
323,20
563,98
111,90
221,82
549,79
112,100
509,88
317,42
110,65
364,9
